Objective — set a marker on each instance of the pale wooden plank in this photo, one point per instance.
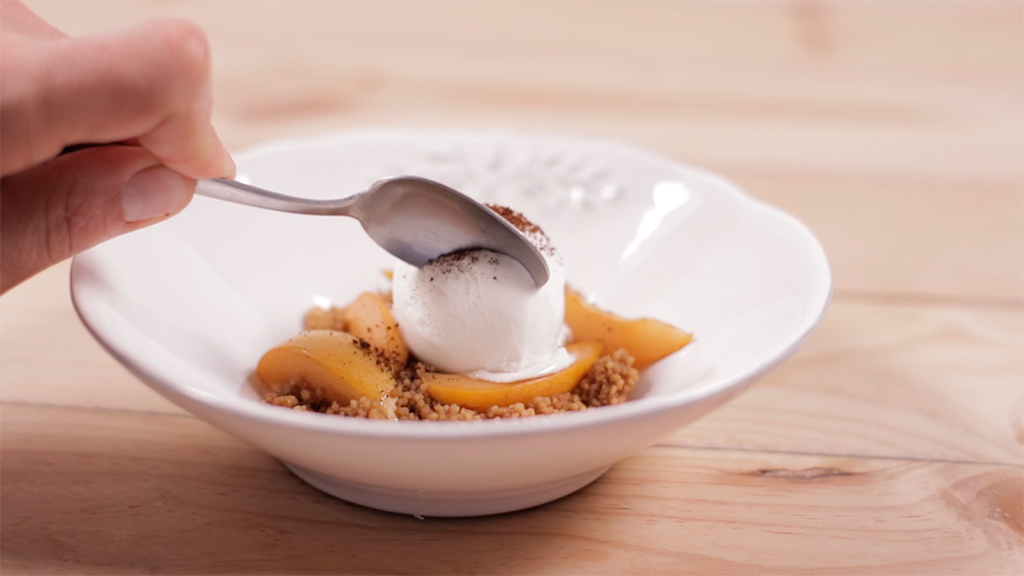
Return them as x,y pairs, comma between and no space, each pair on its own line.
876,379
87,491
888,380
936,240
872,66
893,129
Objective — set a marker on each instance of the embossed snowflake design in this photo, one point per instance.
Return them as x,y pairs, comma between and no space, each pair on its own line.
551,178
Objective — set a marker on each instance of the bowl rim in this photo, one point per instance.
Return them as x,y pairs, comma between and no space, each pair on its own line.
461,430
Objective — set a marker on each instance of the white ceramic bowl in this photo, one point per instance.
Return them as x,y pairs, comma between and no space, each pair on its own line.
190,305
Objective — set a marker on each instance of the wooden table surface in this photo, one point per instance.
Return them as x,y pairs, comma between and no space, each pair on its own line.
890,443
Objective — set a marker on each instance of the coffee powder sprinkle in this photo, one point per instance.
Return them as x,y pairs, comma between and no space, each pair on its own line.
524,225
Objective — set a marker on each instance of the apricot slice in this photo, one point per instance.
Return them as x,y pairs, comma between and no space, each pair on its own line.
335,362
370,318
324,319
647,340
482,394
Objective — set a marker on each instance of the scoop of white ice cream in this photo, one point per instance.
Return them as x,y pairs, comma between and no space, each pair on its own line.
480,313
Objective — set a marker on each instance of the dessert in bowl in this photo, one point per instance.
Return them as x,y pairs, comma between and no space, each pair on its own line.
191,305
468,335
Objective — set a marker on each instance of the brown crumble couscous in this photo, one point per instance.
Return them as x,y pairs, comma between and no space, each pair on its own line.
608,382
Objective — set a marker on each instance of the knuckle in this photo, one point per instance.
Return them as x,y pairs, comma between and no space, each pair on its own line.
186,51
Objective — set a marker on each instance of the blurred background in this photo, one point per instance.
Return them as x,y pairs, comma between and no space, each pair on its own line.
894,129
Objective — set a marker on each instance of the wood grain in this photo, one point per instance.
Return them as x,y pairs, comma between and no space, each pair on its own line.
888,380
142,493
877,379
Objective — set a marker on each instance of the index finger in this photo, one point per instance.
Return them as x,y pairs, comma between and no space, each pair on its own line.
150,82
16,18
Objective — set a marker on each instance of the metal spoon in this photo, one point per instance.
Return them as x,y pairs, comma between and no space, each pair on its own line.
413,218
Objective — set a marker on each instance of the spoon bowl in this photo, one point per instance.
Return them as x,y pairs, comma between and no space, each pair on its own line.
413,218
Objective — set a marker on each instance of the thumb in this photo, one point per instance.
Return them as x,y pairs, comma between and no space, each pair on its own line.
75,201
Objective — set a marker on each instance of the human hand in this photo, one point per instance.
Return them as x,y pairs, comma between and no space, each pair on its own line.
146,87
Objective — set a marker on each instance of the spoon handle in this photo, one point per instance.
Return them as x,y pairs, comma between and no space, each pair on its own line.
234,191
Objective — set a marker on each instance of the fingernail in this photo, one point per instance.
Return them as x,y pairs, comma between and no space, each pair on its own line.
154,193
229,165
